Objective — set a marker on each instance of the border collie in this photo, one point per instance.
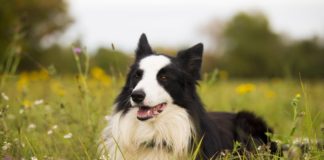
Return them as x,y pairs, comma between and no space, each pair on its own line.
159,115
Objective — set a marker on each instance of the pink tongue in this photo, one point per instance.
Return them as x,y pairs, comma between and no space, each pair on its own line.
149,112
145,112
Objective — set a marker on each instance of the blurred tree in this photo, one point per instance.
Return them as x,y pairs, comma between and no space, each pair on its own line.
59,60
247,47
251,49
35,21
305,57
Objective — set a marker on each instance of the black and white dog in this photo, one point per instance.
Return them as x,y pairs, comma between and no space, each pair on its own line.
159,115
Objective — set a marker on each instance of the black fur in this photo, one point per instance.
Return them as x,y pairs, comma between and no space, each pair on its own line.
219,130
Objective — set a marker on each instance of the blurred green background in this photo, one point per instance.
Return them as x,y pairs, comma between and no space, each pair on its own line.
247,45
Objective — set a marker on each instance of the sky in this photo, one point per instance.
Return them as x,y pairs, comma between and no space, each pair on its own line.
179,23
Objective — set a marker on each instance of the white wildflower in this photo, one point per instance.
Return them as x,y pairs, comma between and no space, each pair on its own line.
33,158
259,148
38,102
49,132
104,157
23,145
68,136
4,96
31,126
6,145
54,127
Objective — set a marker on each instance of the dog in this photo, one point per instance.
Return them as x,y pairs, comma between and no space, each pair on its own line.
159,116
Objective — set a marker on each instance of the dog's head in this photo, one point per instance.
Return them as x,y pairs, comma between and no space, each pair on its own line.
157,80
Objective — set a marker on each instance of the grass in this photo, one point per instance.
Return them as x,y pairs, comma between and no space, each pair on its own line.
46,117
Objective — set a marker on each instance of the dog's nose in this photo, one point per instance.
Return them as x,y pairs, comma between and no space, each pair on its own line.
138,96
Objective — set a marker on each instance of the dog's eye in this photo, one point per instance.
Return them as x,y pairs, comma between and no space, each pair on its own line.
163,77
138,74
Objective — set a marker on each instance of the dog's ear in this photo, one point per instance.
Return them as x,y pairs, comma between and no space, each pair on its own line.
191,59
143,48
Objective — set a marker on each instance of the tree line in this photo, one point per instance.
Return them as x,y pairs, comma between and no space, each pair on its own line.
247,47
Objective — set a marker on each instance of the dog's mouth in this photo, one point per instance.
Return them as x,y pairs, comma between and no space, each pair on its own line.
146,112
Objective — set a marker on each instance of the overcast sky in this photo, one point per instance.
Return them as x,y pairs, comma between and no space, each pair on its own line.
175,23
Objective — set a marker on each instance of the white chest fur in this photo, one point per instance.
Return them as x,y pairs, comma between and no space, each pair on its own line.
166,136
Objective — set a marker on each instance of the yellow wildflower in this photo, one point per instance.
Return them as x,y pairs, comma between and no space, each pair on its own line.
298,95
26,103
38,75
22,82
99,74
57,88
245,88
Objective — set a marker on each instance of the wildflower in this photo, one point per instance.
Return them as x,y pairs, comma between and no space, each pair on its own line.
6,146
104,157
54,127
57,88
38,102
99,74
296,99
22,82
49,132
77,50
259,148
23,145
43,74
26,103
4,96
21,111
33,158
38,75
298,95
31,126
67,136
245,88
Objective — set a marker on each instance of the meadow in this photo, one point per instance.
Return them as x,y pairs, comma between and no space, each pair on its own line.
46,116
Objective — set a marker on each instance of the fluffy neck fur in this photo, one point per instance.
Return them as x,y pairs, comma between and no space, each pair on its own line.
168,136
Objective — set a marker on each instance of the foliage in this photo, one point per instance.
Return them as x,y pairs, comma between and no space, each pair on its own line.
47,116
251,49
305,57
36,22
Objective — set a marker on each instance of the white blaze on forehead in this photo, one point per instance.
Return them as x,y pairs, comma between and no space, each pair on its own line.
154,92
152,64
